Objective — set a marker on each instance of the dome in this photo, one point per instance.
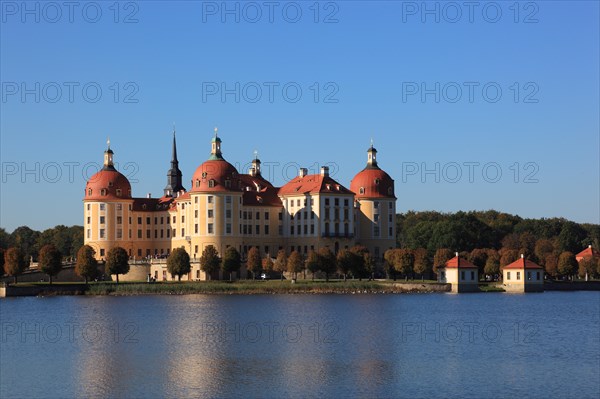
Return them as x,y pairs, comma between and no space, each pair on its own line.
107,184
372,182
215,175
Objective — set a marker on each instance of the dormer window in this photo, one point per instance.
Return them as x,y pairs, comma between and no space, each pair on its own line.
143,206
89,191
197,183
390,191
118,192
377,181
110,184
211,183
227,183
103,191
204,175
361,190
129,193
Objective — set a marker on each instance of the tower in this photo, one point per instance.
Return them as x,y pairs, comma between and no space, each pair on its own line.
174,177
108,157
215,152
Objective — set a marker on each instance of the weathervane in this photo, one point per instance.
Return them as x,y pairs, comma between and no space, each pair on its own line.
255,154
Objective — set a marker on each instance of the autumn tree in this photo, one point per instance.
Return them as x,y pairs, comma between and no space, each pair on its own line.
508,256
404,262
86,265
294,264
389,260
567,264
2,251
442,255
178,263
369,263
588,267
357,267
50,261
117,262
492,263
232,261
344,261
267,264
14,262
478,257
422,263
327,262
254,262
551,265
210,261
312,263
543,248
280,264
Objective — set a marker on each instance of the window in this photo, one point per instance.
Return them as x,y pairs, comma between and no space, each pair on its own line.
257,231
103,191
376,204
280,230
211,183
529,276
102,233
245,229
89,193
210,199
257,215
249,215
390,205
390,218
267,229
299,215
119,220
139,220
376,231
196,228
228,228
119,207
148,233
336,202
210,213
361,190
211,228
227,184
139,235
228,199
346,213
391,233
102,219
118,192
518,276
326,201
297,202
174,219
102,207
312,214
508,275
182,232
119,234
305,229
376,217
162,233
245,215
312,229
291,230
155,233
88,205
148,221
462,275
538,275
196,198
326,213
280,215
168,233
88,220
89,233
472,275
183,219
155,220
101,251
139,252
266,215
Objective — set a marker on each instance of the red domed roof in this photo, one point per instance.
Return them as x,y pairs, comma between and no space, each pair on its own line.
216,175
107,184
372,182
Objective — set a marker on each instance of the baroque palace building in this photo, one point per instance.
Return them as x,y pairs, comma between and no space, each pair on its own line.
223,208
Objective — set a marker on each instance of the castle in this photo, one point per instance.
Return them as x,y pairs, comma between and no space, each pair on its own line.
223,208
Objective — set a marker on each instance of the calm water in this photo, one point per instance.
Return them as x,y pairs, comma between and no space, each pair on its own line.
412,346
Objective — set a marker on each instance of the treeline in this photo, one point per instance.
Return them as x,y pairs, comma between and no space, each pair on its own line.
491,240
67,240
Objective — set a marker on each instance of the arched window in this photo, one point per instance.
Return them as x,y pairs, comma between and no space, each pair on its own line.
361,190
89,191
377,181
197,183
103,191
211,183
118,192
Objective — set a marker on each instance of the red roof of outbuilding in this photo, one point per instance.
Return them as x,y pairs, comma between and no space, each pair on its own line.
458,262
313,184
589,252
523,263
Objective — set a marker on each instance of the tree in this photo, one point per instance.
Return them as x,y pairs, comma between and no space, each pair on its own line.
492,263
312,263
14,262
442,255
571,237
543,248
50,261
209,261
389,261
369,265
254,262
344,262
404,262
357,267
327,262
280,264
232,261
117,262
478,257
508,256
2,251
422,262
267,264
86,265
178,263
567,264
294,263
551,265
588,267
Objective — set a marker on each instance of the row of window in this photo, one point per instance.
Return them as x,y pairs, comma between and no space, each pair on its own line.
529,276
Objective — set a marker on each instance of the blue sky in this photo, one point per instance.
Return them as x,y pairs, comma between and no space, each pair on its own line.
443,90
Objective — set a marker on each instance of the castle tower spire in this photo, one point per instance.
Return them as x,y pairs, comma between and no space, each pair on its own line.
108,157
215,152
174,176
372,157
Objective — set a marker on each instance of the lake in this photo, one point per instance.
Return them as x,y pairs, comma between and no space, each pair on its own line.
403,346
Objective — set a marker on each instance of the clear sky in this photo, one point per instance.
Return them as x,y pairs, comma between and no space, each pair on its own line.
471,107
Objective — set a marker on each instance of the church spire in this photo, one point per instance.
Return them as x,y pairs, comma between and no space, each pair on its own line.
174,176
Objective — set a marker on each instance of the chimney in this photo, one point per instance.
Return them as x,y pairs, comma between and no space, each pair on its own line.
590,246
149,195
522,256
456,253
324,171
302,172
